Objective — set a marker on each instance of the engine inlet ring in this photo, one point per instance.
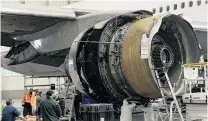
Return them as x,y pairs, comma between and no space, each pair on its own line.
166,56
162,56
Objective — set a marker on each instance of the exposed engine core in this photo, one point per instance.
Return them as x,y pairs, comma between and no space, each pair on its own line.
106,63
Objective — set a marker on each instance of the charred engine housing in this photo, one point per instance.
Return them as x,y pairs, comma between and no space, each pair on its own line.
106,63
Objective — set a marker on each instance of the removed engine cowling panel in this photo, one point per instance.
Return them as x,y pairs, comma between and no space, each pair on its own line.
108,61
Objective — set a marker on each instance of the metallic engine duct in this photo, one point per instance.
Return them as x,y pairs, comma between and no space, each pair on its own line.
137,70
107,63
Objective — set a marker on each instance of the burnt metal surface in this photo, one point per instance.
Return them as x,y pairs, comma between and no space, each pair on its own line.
114,59
176,38
87,66
113,86
180,37
110,62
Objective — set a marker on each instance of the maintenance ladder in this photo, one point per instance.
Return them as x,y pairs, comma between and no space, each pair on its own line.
69,104
172,93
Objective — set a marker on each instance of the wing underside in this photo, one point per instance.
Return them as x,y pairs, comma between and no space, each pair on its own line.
23,57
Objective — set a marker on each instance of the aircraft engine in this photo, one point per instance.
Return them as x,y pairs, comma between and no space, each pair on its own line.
119,59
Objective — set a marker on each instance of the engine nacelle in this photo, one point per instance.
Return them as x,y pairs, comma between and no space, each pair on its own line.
108,64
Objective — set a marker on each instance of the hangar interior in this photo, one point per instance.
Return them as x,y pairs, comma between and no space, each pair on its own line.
104,60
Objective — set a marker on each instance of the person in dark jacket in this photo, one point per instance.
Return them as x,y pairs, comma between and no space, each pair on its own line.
49,109
62,105
10,113
39,98
77,101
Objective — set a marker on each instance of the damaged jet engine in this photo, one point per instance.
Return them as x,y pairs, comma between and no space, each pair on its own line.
106,62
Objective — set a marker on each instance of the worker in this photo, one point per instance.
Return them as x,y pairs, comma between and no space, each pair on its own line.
26,103
38,99
61,103
33,102
77,101
126,111
10,113
49,109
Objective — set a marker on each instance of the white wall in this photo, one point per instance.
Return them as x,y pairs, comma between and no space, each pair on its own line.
17,83
44,81
12,83
13,86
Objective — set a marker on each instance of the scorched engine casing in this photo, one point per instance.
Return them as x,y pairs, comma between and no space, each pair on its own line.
105,63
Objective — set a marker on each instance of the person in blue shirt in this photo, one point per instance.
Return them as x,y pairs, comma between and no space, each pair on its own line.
10,113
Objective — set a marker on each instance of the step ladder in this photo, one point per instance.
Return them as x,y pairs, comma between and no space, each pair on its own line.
69,104
172,93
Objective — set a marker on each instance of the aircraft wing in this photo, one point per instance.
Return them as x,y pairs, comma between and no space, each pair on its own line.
40,37
17,20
